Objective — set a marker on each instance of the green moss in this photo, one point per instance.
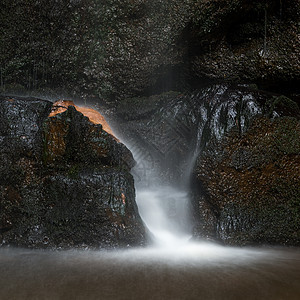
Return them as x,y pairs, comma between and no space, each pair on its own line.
258,192
286,137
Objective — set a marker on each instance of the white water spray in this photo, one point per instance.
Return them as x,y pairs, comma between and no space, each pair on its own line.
162,206
163,209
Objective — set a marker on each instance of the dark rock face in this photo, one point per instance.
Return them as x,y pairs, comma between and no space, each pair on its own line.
255,41
21,125
119,49
244,147
169,130
21,135
64,181
251,183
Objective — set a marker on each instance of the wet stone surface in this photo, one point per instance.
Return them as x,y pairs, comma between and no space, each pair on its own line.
242,146
253,185
68,185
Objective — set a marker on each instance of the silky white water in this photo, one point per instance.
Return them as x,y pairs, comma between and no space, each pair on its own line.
172,266
163,210
163,205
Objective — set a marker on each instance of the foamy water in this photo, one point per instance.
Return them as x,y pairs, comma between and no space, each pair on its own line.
163,210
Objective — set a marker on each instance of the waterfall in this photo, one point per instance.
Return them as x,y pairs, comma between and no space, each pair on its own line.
175,268
166,144
162,206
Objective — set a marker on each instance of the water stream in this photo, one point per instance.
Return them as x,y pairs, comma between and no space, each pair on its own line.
162,206
171,267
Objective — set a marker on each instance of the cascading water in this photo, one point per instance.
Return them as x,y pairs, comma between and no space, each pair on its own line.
167,152
175,268
164,211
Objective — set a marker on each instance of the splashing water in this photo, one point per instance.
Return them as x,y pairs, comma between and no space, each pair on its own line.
162,206
163,209
167,152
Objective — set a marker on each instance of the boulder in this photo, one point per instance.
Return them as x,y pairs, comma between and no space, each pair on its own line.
250,183
169,130
64,182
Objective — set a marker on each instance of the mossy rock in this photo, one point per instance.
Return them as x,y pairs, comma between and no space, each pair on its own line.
254,183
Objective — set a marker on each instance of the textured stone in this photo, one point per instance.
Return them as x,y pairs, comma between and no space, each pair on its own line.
67,184
118,49
244,147
253,186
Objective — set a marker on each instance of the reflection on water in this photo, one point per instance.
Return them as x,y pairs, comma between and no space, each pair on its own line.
195,271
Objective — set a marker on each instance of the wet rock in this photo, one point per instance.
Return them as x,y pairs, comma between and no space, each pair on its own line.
244,147
67,184
70,137
172,128
21,122
85,210
253,185
93,115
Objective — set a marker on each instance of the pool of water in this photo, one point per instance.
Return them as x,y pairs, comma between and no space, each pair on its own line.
193,271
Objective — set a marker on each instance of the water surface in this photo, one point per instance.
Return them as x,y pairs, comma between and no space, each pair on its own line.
193,271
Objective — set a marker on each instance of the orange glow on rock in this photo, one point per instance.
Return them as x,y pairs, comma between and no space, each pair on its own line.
123,198
94,116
